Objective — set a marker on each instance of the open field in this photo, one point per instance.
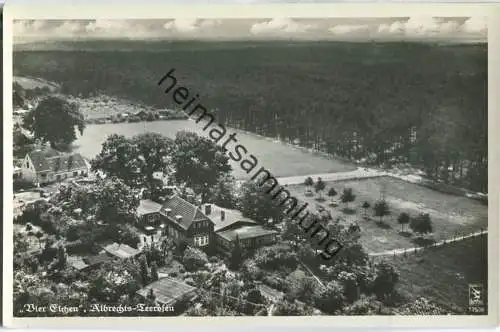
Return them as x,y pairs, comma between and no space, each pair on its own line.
280,159
30,83
443,274
451,215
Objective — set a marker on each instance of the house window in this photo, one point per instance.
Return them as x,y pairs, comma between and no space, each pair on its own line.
201,241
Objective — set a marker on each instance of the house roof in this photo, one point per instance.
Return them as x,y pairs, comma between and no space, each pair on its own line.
231,217
55,161
167,290
147,206
77,262
181,207
246,232
96,259
121,250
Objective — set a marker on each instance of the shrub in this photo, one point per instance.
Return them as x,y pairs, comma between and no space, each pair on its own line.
275,258
194,259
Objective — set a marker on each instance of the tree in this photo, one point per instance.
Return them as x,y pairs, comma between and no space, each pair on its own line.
20,243
199,163
154,151
135,160
300,286
319,187
236,255
309,182
293,233
365,207
256,204
194,259
421,224
154,271
144,269
331,298
287,308
118,158
18,95
381,209
39,236
386,278
347,196
223,193
117,203
54,120
332,192
403,219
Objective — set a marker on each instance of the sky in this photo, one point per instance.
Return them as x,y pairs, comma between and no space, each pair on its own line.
465,29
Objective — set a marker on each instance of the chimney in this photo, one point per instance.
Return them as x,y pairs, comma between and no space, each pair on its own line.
167,211
178,218
208,209
222,215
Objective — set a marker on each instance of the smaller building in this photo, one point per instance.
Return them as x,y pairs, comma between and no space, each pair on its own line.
148,212
121,251
248,237
88,263
169,292
231,226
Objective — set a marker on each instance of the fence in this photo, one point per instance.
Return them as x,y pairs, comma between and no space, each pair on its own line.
409,251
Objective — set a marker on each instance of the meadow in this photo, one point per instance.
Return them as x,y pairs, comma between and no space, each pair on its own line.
280,159
444,274
451,215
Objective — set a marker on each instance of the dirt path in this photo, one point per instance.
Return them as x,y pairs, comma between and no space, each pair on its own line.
360,173
397,252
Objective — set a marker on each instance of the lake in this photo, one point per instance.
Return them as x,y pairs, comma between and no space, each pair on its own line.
278,158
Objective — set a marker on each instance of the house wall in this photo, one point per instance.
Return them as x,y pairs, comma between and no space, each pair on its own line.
225,247
60,176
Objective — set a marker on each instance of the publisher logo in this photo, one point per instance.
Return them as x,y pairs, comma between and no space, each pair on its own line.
476,298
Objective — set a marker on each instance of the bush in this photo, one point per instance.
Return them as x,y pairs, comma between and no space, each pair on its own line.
194,259
21,184
275,258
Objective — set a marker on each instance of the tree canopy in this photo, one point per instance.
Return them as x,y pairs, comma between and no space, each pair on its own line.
54,120
199,163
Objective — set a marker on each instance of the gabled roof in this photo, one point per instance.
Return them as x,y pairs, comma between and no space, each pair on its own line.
181,207
147,206
121,250
168,291
55,161
231,218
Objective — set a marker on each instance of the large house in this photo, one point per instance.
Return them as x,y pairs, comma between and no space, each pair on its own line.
186,222
207,226
48,165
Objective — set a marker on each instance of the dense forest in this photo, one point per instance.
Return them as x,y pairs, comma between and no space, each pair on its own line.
377,103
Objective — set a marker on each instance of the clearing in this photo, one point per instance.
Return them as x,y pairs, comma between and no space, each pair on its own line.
451,215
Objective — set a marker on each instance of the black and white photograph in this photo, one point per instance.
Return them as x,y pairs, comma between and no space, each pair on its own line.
270,166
